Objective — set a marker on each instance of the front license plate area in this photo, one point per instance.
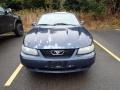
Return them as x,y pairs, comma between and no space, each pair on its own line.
57,65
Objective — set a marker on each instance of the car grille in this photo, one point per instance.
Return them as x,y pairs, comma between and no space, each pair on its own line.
50,53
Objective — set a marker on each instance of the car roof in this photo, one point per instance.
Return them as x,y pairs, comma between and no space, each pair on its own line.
59,17
59,13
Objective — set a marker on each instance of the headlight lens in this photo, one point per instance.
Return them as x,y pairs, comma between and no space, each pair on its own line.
86,49
29,51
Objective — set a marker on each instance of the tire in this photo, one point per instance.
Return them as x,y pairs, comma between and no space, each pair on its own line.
19,30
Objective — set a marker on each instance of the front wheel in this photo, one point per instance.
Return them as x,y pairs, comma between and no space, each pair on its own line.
19,30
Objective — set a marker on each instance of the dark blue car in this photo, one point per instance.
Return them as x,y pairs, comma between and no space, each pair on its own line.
58,43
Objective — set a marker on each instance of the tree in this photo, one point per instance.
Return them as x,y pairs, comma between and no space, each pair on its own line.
113,6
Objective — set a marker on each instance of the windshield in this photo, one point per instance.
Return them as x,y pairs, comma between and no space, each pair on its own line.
1,11
58,19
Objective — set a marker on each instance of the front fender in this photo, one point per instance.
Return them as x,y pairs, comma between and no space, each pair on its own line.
17,20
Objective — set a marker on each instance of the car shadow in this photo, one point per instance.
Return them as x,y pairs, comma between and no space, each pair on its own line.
48,77
7,37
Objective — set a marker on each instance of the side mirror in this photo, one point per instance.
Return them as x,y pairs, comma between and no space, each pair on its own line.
82,22
34,24
9,10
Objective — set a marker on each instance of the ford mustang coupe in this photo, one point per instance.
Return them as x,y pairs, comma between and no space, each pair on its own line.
58,43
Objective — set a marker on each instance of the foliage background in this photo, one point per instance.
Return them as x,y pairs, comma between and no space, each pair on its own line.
95,6
96,13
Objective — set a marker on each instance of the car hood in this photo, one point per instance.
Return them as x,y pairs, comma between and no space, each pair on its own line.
58,38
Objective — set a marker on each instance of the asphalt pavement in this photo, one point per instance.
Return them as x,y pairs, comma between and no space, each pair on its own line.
103,75
109,38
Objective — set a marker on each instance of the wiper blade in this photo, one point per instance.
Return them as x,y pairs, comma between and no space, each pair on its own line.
64,24
56,24
45,24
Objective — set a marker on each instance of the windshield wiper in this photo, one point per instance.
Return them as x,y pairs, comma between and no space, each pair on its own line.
56,24
64,24
45,24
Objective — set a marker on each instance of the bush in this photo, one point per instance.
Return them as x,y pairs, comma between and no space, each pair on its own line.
97,7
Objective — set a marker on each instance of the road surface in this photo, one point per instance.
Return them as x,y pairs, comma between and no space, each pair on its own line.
103,75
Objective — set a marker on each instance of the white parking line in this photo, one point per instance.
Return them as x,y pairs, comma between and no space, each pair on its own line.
7,34
13,76
117,29
108,51
17,70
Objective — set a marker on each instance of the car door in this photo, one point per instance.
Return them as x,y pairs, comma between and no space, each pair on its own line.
9,19
6,21
2,26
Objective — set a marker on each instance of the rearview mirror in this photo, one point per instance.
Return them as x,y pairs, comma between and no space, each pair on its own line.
34,24
82,22
8,10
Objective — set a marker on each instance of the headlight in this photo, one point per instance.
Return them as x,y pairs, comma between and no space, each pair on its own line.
86,49
29,51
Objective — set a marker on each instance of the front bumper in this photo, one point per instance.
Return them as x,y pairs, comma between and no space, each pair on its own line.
75,63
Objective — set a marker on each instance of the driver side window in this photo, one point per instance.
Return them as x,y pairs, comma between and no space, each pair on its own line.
2,11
